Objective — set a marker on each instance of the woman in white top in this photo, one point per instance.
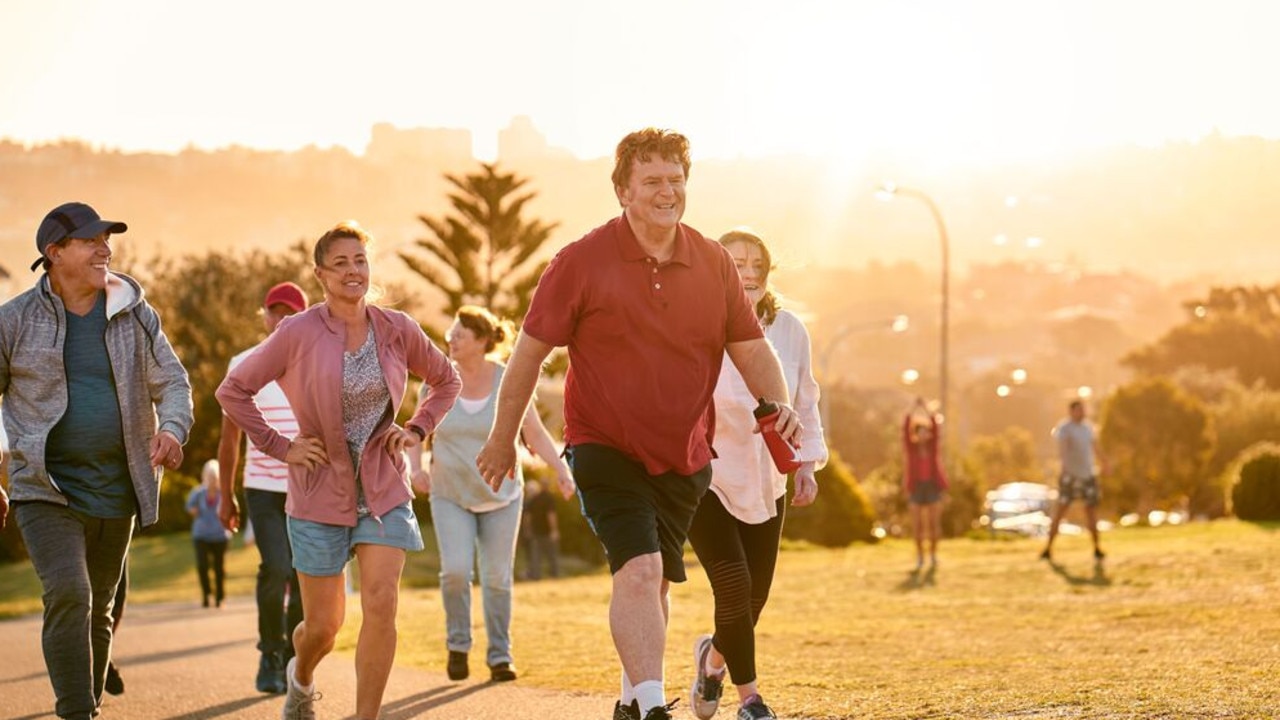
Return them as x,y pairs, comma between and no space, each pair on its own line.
465,512
738,525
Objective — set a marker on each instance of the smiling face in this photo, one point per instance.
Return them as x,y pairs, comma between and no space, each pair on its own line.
653,197
81,262
344,270
752,266
463,342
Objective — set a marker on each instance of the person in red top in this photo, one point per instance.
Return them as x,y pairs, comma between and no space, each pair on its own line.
648,308
922,478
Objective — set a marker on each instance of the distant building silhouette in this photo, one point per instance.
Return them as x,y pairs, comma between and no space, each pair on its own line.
522,142
389,144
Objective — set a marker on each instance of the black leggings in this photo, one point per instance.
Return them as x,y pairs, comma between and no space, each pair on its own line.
209,557
739,560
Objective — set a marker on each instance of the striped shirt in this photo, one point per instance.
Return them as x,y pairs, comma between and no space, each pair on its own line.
261,471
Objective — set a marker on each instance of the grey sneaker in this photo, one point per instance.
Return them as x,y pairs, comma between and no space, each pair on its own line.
626,712
297,704
755,709
704,695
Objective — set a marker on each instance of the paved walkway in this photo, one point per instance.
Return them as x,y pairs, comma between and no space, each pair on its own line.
181,661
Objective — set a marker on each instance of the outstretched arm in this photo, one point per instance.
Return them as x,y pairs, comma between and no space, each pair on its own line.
228,461
536,436
497,459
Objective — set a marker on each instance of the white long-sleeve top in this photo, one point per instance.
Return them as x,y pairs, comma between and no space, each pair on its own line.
743,475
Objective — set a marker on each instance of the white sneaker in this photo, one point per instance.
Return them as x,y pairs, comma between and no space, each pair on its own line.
704,696
297,703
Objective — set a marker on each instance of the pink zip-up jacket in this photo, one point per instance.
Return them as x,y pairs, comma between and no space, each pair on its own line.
304,356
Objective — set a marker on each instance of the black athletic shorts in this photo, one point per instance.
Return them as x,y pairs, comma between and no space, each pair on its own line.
632,512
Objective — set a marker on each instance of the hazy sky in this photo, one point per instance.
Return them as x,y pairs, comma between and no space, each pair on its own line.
952,80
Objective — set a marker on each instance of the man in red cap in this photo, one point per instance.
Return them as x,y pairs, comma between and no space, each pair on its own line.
265,482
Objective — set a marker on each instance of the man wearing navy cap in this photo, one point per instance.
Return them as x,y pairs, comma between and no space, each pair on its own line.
266,481
96,405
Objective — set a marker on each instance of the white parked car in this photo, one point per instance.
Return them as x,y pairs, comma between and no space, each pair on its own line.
1021,507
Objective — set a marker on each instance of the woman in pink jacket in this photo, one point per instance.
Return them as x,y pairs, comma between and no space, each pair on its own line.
343,365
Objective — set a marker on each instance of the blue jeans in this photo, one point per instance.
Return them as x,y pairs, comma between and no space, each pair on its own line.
275,573
459,532
79,560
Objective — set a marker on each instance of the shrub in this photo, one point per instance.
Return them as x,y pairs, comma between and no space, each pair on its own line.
842,514
1255,491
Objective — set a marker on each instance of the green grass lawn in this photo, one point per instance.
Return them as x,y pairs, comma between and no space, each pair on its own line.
1181,622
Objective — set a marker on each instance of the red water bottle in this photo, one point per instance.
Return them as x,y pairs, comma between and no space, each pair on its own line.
784,455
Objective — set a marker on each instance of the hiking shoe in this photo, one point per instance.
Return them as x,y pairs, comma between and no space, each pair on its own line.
704,695
502,672
755,709
457,666
626,712
271,677
662,712
298,705
113,684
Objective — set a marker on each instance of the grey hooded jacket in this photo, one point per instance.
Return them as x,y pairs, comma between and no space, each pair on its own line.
151,386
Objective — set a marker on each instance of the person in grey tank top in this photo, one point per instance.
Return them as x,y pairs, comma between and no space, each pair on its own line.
1077,448
466,513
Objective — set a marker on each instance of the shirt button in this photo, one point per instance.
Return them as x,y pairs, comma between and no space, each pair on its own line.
657,286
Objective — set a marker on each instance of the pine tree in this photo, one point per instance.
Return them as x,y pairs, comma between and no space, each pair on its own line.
485,252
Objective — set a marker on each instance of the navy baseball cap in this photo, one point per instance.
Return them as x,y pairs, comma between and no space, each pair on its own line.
72,220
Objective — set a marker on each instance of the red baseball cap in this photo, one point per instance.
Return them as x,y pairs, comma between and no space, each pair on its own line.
287,294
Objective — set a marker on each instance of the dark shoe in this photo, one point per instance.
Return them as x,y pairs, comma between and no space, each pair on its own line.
626,712
755,709
1099,555
114,684
270,674
502,672
1046,555
704,695
205,601
457,667
662,712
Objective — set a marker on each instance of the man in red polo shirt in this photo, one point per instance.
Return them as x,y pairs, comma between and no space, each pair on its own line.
648,308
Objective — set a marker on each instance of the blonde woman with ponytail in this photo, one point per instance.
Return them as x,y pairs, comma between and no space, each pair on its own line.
466,513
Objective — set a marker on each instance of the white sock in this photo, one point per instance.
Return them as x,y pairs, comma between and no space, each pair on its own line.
628,692
305,689
649,695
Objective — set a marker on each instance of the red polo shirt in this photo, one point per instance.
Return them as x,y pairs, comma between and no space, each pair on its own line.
646,340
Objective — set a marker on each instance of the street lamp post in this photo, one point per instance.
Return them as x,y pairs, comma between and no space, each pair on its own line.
888,191
897,324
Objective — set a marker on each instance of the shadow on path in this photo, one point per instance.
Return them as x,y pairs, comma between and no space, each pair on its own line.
415,705
1097,579
228,708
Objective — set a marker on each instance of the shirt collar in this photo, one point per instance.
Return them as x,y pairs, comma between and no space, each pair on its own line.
631,251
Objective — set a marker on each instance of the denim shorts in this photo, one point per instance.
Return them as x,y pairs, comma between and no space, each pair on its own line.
323,550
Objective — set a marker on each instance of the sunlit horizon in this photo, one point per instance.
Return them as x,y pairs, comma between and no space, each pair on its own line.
953,83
